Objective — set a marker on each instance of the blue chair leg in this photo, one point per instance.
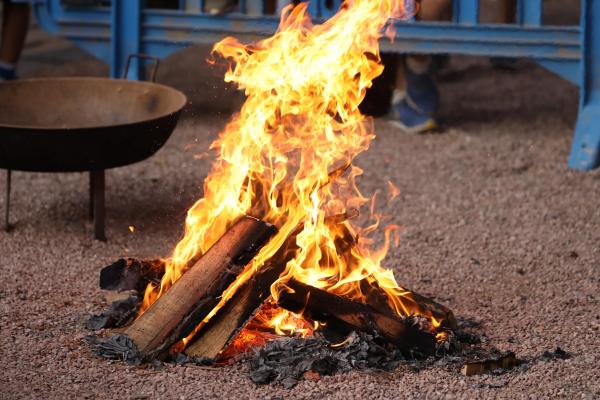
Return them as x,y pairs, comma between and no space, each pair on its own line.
585,151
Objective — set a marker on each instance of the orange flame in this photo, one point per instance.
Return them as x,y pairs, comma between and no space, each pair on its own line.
393,190
300,121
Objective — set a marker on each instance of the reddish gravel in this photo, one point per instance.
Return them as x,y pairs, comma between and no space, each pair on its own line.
495,225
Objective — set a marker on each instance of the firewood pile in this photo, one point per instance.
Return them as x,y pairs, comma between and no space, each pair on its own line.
351,334
159,331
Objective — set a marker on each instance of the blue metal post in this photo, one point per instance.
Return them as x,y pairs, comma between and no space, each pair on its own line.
125,37
585,151
529,12
466,11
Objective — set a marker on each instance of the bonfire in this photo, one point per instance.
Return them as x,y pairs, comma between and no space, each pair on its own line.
281,243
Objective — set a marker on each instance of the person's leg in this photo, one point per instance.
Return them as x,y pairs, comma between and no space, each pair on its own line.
15,23
435,10
416,98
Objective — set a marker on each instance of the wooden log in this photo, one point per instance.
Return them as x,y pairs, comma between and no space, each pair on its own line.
376,297
223,327
335,310
506,361
438,311
422,305
131,274
218,333
177,312
235,314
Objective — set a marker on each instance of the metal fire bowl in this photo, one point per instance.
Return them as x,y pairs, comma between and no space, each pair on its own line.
83,124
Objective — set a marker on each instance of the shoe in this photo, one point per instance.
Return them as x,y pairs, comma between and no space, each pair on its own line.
404,116
413,110
421,91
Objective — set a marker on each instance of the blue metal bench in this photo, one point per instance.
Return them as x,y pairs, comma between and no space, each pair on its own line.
573,52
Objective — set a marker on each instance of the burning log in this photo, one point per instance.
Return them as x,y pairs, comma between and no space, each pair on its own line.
224,326
438,311
239,310
131,274
422,305
338,311
177,312
227,323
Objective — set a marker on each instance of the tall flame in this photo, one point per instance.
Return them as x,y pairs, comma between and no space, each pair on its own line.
300,121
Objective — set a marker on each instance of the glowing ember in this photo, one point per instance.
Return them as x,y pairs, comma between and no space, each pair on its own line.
267,325
299,122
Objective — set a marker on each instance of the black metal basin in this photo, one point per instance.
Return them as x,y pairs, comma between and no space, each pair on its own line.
83,124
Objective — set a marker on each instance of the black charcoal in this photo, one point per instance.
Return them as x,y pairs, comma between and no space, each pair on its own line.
284,361
557,354
120,313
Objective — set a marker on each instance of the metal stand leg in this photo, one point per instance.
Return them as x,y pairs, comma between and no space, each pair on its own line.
7,203
97,186
585,151
91,207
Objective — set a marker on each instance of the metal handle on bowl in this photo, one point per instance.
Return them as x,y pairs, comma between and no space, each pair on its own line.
142,56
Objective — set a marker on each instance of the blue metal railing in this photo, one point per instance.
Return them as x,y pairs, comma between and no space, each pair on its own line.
573,52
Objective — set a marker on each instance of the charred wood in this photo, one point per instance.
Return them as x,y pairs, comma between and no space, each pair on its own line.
118,314
440,312
422,305
213,338
335,310
506,361
131,274
178,311
237,312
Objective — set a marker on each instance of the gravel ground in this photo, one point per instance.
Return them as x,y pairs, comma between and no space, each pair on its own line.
495,226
